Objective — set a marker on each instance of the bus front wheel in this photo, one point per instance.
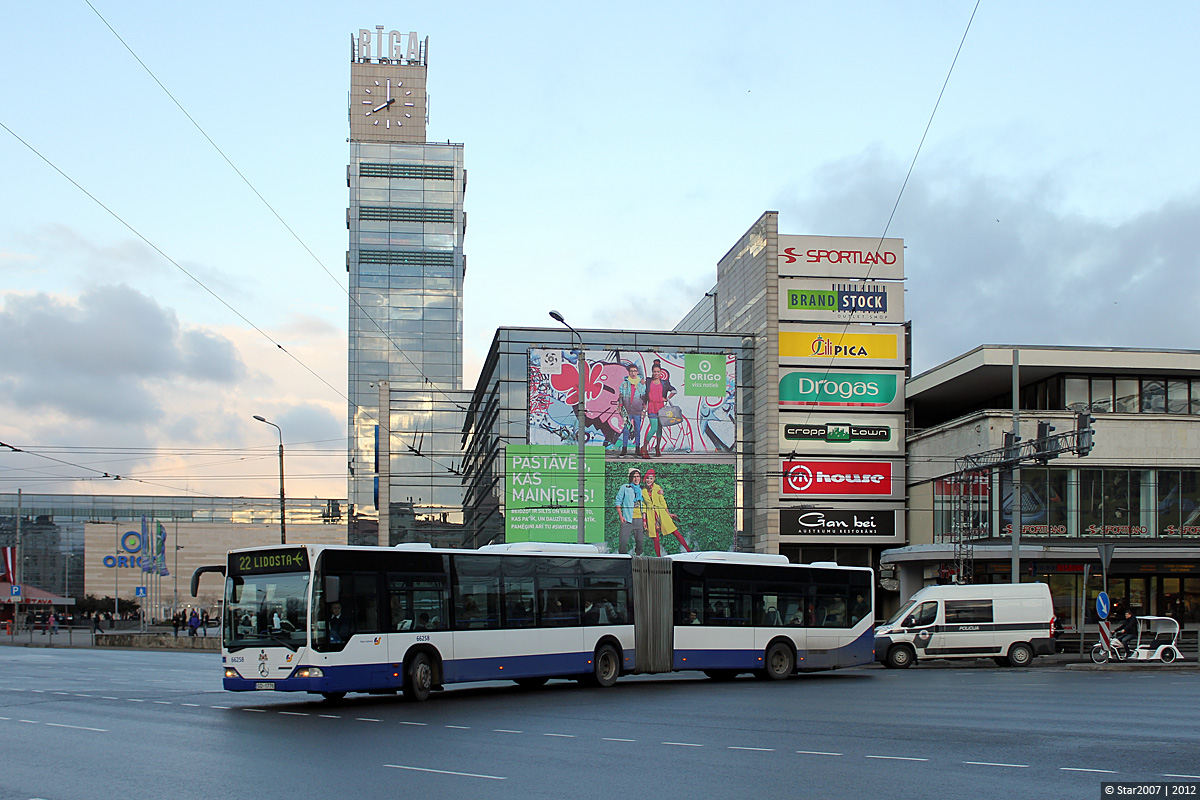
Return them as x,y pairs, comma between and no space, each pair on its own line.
606,666
418,678
780,662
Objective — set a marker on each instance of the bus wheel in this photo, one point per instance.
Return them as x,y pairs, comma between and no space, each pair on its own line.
333,697
720,674
900,657
1020,655
779,661
606,666
531,683
418,678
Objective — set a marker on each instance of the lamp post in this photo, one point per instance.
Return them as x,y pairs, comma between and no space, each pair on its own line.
580,414
282,514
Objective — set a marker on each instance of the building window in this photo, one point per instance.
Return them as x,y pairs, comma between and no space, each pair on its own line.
1126,401
1102,395
417,171
1154,397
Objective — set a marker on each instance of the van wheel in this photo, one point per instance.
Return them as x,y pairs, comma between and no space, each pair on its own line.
1168,655
606,666
900,657
418,678
779,661
1020,655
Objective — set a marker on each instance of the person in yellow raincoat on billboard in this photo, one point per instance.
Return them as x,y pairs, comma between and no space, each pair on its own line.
659,521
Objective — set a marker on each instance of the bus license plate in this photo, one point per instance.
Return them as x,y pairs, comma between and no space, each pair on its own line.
264,685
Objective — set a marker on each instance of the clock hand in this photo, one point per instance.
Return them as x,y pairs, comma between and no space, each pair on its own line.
382,106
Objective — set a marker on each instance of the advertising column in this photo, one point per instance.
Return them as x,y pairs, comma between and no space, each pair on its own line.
842,365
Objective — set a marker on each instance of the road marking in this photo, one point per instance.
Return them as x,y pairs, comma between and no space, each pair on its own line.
6,718
502,730
329,716
109,698
191,705
295,713
402,722
1168,775
996,764
756,749
682,744
367,719
134,700
459,727
560,735
448,772
610,739
28,721
76,727
1081,769
223,708
898,758
60,692
815,753
83,695
162,702
255,710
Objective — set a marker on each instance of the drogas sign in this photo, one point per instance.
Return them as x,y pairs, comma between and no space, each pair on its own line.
875,390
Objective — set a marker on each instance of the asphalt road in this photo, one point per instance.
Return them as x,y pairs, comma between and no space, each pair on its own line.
96,724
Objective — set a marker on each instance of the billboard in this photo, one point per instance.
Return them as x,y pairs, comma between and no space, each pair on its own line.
699,418
857,524
861,390
841,434
844,480
699,498
821,299
841,257
541,494
841,345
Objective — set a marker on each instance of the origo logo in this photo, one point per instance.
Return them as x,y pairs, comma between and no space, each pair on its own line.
862,478
838,346
704,375
838,389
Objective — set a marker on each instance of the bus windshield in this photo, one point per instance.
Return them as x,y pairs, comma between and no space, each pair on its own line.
266,609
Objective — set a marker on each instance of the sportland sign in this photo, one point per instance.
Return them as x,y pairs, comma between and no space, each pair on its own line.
841,345
874,390
805,478
841,257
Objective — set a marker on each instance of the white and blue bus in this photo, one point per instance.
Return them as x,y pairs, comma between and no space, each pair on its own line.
412,619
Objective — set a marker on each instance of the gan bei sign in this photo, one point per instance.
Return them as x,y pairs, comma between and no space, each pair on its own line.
818,300
880,480
843,523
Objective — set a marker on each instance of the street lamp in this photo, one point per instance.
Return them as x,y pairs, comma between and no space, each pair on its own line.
282,528
580,413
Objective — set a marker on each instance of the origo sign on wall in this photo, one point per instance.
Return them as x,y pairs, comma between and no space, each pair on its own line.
818,299
843,523
874,390
883,479
865,345
831,434
841,257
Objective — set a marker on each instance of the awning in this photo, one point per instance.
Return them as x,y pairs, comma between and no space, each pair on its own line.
32,596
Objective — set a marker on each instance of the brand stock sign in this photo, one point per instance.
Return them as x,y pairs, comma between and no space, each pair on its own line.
883,479
816,300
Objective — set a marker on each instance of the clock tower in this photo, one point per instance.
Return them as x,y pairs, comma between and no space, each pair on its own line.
387,86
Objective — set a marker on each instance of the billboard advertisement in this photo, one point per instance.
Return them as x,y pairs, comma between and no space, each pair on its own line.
541,494
841,434
688,410
843,480
658,508
861,390
841,345
858,524
821,299
841,257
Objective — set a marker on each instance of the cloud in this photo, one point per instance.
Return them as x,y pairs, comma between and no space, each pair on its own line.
991,262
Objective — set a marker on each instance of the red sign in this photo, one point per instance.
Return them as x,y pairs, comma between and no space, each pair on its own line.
817,478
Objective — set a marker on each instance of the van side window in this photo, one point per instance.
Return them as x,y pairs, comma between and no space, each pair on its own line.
925,614
959,612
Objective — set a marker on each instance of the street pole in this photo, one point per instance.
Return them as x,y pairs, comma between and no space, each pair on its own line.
20,577
175,605
282,510
581,419
1016,473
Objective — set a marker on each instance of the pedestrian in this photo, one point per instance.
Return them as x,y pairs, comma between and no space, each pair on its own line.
53,623
175,624
193,623
96,623
204,622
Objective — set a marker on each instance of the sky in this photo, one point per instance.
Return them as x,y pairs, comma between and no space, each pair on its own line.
157,291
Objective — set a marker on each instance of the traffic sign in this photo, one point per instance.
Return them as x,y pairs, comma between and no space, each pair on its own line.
139,591
1102,605
15,591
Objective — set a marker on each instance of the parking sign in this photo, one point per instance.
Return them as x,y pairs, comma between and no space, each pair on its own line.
15,591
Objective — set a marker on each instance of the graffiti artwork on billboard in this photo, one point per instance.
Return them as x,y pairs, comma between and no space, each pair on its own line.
839,522
639,404
819,478
542,493
659,508
818,300
843,345
873,390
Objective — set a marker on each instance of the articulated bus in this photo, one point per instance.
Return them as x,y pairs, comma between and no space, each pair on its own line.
412,619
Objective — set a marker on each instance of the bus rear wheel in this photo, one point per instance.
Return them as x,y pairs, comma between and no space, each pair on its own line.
779,661
606,666
418,678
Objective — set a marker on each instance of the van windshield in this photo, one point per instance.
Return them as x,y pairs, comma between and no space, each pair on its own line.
899,615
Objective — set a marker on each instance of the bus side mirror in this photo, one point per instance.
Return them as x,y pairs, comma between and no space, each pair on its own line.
332,587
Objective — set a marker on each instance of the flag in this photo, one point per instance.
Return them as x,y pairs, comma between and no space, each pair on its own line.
147,547
161,557
8,564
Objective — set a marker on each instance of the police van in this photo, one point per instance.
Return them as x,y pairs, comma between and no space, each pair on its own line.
1010,623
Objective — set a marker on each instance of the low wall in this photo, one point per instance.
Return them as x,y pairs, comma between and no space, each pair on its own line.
158,641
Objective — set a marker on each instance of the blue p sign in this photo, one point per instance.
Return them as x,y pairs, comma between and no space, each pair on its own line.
15,591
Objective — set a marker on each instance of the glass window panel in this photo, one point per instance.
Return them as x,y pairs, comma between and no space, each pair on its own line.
407,196
1177,397
1057,501
1091,506
1034,503
402,282
1154,397
372,195
1115,500
1126,401
439,241
1102,394
1195,404
411,241
1168,502
1189,503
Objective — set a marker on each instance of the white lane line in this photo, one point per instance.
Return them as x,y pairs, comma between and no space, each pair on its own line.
611,739
83,695
560,735
295,713
459,727
162,702
503,730
190,705
109,698
1168,775
255,710
816,753
996,764
76,727
134,700
402,722
898,758
682,744
329,716
1081,769
60,692
756,749
448,772
367,719
28,721
223,708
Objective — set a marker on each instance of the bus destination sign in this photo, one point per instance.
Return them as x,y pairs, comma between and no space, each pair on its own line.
291,559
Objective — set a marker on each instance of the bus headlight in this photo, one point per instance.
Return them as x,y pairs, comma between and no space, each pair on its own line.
230,672
310,672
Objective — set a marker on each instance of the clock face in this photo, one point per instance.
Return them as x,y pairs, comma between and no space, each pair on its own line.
388,103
